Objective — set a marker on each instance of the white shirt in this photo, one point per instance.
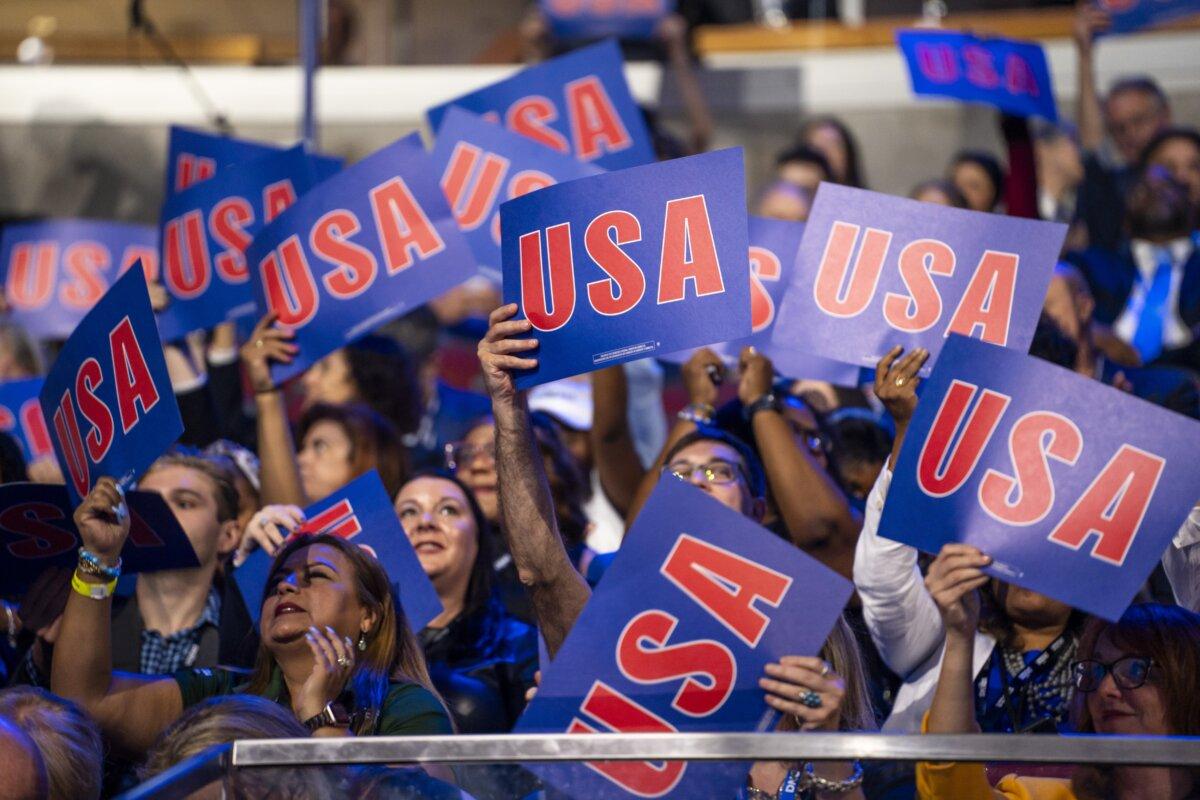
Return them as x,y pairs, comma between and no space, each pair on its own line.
904,621
1145,257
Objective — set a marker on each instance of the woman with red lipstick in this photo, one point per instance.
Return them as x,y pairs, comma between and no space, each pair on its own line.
335,646
1138,676
481,657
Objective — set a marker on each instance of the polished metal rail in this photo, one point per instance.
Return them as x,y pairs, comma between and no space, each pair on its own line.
517,748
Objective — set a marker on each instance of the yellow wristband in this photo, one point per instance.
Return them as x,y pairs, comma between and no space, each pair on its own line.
94,591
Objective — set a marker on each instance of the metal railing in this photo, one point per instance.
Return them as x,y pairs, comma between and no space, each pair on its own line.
532,748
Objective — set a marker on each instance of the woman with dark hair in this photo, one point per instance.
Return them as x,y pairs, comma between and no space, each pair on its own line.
338,442
375,370
482,658
979,177
335,645
1137,676
831,138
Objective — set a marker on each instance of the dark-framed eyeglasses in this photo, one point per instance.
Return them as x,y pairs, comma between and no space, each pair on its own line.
462,454
720,473
1129,672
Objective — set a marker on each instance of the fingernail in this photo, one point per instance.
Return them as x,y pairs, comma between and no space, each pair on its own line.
347,641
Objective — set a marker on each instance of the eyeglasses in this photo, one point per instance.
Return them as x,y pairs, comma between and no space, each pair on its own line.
720,473
461,454
1129,672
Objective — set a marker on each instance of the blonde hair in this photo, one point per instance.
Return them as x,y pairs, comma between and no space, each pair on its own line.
845,659
68,740
392,651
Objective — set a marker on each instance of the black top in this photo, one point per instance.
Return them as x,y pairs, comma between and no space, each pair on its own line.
482,663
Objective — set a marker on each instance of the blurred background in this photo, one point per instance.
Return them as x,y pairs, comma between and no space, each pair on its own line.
88,87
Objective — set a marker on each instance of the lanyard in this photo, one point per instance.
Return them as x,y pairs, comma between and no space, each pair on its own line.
1012,689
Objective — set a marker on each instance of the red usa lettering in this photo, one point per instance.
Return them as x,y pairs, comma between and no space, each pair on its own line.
688,255
726,586
400,225
33,426
136,395
34,277
37,535
474,180
591,118
189,265
977,65
616,713
1110,509
764,266
854,260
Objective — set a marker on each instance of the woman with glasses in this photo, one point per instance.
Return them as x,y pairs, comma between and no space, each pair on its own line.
1138,676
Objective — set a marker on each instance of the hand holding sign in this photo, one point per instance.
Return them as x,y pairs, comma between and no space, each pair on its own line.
1073,488
113,375
37,532
698,602
360,511
361,249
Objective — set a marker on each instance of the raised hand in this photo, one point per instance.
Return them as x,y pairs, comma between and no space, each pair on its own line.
500,354
333,663
896,382
952,580
267,529
698,374
757,375
267,343
102,520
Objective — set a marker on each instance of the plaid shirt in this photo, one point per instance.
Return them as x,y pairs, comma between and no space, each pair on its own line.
163,655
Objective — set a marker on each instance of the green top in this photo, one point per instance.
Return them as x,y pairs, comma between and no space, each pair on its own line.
408,710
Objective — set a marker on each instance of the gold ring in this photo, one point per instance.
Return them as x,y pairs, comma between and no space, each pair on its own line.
900,381
258,342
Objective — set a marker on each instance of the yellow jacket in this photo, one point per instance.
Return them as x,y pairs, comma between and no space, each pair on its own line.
953,781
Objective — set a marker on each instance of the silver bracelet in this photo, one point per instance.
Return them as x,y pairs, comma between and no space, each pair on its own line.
819,784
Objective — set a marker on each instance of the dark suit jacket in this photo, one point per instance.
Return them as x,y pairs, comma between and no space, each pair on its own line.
1111,275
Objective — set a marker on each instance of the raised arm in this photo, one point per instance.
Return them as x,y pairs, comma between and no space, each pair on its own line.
616,458
556,589
673,32
818,517
1088,21
131,710
900,615
276,451
703,393
954,577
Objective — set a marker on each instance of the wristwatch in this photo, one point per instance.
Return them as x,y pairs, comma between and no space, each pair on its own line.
333,715
769,401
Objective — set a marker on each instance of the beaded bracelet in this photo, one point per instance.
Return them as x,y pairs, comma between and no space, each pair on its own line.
90,564
820,784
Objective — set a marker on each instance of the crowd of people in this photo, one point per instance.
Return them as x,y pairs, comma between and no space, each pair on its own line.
516,502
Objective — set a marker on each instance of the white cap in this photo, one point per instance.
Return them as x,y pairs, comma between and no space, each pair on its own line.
569,401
